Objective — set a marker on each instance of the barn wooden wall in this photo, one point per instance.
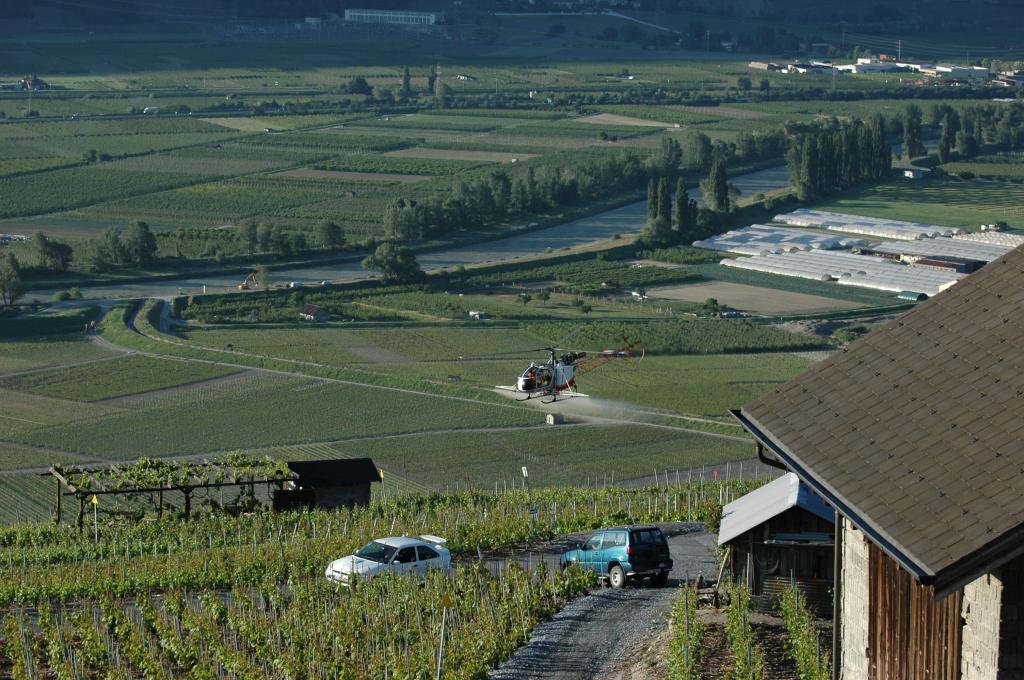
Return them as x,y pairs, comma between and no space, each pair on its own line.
912,636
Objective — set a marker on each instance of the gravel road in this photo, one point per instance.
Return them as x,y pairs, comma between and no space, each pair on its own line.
596,635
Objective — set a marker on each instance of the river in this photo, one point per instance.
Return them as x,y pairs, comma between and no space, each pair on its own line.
628,219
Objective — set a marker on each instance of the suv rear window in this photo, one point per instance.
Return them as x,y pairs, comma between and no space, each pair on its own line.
648,536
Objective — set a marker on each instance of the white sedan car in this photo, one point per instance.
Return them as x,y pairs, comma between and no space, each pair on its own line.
393,555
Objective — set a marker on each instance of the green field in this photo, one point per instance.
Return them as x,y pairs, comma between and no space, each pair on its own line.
117,378
553,455
964,204
35,353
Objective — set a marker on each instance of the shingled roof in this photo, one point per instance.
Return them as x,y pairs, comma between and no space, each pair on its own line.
916,432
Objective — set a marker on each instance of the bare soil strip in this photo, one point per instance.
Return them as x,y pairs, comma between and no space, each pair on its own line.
615,119
359,176
723,111
461,154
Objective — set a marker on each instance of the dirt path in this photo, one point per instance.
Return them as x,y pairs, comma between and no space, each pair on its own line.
598,635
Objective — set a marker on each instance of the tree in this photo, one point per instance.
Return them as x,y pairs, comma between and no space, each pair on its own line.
329,235
966,144
280,242
525,298
402,220
11,286
667,157
685,224
263,276
698,151
744,83
113,247
264,237
432,80
396,263
950,128
586,309
716,188
406,90
52,255
664,202
912,146
766,85
652,200
140,245
247,235
358,85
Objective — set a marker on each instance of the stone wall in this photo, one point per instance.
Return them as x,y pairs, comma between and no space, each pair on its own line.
980,612
993,614
855,598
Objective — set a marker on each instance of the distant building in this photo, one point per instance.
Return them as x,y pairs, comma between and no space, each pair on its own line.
384,16
313,313
914,173
478,316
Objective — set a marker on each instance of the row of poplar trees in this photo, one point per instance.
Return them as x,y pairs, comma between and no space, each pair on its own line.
838,156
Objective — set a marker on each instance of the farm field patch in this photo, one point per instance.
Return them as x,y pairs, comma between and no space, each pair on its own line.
35,353
964,204
131,374
25,498
24,412
751,298
615,119
461,154
988,170
554,456
272,410
724,111
358,176
18,456
340,346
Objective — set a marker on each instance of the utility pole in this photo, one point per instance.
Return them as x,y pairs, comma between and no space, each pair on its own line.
899,50
707,40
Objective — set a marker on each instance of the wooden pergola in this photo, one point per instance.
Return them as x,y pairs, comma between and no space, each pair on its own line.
205,475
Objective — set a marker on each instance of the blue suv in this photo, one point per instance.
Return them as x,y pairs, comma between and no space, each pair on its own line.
621,554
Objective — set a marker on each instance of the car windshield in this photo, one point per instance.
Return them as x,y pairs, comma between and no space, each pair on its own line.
377,552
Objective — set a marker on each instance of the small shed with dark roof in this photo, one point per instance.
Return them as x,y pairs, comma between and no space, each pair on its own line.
915,435
779,535
337,483
313,313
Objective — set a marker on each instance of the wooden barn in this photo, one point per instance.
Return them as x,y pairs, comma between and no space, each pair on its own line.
914,435
778,535
339,483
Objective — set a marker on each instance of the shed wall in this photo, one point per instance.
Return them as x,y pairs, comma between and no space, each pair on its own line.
343,496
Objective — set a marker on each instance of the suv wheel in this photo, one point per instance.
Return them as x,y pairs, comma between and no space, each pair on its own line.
616,576
660,580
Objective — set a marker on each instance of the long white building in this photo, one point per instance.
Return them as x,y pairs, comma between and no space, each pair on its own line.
394,17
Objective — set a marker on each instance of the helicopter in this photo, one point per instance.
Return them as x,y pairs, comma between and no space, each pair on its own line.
557,376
